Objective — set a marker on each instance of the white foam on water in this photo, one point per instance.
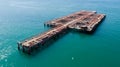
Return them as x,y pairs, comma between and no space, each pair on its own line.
72,58
4,53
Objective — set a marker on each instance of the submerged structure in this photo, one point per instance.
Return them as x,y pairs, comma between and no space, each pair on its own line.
85,21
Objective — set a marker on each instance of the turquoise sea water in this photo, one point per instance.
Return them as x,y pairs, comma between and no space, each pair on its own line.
20,19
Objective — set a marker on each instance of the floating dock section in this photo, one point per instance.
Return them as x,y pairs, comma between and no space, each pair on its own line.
81,21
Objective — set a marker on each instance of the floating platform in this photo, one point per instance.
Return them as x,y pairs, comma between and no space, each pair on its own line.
81,21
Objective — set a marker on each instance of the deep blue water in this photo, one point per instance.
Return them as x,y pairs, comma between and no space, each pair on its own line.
20,19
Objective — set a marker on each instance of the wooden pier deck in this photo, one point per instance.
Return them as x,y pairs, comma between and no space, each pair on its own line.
83,20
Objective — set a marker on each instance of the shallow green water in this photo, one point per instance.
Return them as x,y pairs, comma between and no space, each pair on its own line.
20,19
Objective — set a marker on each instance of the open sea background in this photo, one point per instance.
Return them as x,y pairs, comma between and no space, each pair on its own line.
20,19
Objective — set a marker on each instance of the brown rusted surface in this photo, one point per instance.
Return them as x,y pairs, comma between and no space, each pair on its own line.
83,20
